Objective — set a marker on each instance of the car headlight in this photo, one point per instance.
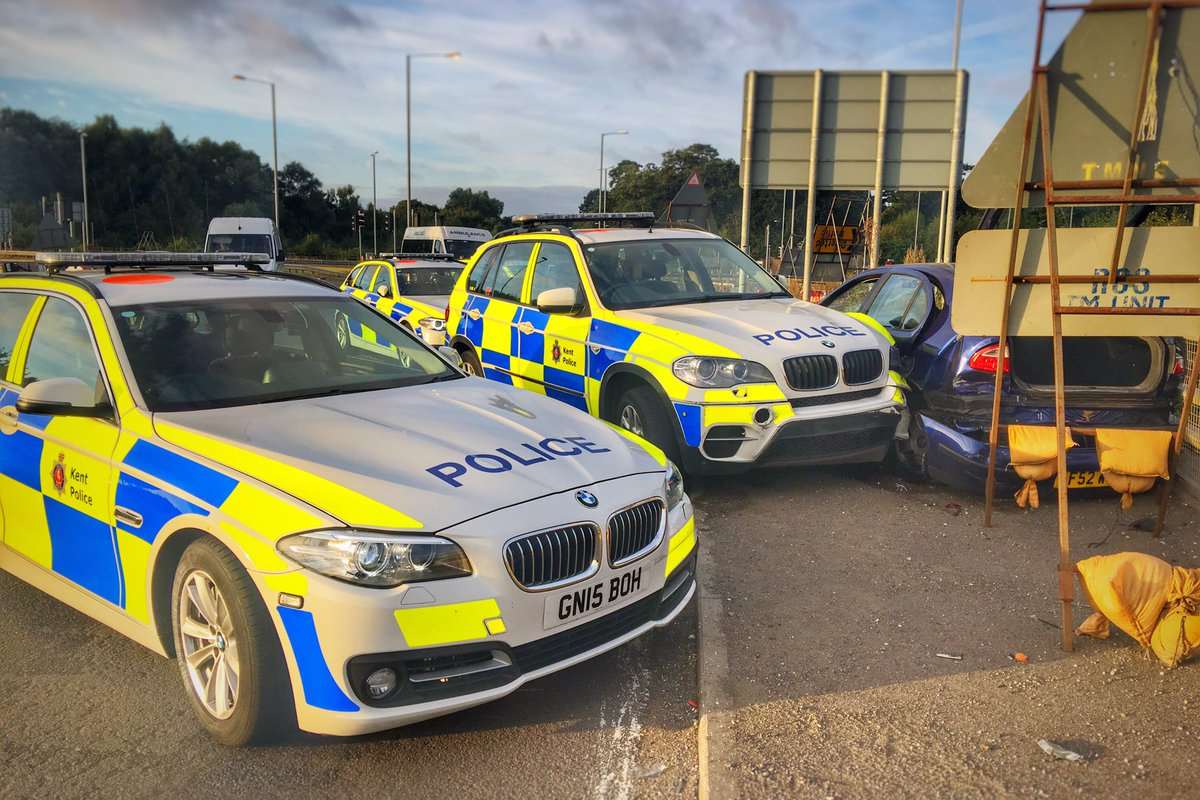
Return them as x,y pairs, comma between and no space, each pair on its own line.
673,486
433,323
707,372
376,559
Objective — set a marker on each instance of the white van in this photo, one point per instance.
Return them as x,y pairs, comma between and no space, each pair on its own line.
245,235
458,242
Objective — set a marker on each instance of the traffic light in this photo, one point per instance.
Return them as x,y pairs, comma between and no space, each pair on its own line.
359,220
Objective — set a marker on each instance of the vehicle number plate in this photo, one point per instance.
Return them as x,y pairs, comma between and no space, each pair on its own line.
1084,480
594,597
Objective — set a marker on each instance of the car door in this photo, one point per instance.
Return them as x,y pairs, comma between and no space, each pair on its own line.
64,515
902,305
20,485
552,347
504,288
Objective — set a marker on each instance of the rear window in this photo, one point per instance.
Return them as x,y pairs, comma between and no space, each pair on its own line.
1125,362
417,246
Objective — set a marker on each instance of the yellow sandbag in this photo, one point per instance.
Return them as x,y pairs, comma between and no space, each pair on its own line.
1178,633
1095,626
1128,588
1131,460
1033,455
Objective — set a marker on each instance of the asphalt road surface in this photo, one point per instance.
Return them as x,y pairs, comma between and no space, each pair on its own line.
834,687
85,712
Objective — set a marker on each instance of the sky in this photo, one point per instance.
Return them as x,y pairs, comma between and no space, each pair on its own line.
520,113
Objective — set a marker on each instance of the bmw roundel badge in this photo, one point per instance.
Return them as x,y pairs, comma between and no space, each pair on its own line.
587,499
828,344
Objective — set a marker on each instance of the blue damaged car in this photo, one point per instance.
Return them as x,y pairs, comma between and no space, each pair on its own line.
1110,381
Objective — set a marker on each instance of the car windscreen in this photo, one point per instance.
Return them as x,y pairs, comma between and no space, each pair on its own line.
424,281
231,352
416,246
461,248
239,243
662,272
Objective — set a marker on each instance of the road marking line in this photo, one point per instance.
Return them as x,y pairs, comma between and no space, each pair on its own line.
713,665
617,769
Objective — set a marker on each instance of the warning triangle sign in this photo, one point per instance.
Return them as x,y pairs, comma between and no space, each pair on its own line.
690,203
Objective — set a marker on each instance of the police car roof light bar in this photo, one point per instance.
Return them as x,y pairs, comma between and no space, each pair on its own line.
58,262
421,256
633,218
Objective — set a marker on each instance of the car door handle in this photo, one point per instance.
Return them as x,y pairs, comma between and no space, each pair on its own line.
526,327
8,420
128,516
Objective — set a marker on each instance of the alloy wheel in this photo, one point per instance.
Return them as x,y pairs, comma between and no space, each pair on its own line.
210,648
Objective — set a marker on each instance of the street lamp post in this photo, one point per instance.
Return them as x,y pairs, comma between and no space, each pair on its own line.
374,209
453,56
274,141
603,177
83,168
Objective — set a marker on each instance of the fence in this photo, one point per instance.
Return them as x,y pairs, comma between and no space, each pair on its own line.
1187,466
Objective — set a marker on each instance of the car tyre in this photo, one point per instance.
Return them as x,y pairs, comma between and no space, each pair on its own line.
227,650
640,411
471,362
912,454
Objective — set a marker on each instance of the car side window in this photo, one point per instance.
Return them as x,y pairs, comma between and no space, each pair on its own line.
479,273
61,346
901,304
508,278
555,269
382,276
14,307
366,278
853,298
352,278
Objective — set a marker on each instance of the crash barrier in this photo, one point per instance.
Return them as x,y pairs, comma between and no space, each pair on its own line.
1155,603
332,274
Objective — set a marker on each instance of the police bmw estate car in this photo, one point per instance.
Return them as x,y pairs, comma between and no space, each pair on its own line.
411,289
678,336
340,532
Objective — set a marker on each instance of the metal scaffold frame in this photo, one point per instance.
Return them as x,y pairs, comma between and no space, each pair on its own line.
1038,107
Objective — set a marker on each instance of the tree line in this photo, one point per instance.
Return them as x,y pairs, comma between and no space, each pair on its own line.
147,186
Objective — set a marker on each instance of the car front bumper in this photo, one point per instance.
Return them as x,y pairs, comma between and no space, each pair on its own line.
792,432
461,642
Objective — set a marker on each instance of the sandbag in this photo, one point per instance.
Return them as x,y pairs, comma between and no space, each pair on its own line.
1178,633
1033,455
1132,460
1095,626
1130,589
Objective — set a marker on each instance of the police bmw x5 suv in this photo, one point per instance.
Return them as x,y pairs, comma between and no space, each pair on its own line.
678,336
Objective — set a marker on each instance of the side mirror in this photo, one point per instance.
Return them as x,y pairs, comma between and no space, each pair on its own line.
383,290
67,397
562,300
281,257
450,354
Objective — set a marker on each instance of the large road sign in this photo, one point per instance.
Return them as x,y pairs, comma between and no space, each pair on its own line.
918,129
1092,94
852,131
1148,251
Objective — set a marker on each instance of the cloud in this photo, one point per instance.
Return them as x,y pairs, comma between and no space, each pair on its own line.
524,107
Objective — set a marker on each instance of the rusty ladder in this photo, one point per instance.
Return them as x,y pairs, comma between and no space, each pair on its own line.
1039,104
